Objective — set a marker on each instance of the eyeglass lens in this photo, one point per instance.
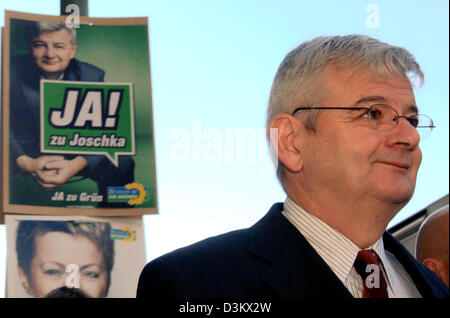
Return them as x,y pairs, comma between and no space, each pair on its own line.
385,118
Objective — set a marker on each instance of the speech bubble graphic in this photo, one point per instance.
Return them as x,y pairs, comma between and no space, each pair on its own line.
89,118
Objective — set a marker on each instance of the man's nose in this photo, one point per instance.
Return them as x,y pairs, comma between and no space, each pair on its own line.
406,134
50,52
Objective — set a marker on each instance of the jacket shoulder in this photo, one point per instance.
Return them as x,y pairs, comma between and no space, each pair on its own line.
212,250
226,265
83,71
194,270
21,65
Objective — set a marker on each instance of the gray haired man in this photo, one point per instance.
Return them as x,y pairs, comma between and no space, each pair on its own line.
348,152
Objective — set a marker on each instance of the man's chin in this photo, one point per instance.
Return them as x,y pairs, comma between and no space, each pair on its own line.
395,190
396,197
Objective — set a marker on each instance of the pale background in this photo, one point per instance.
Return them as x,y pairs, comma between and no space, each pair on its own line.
212,66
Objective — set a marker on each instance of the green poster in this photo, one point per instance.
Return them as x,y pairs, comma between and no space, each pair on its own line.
78,123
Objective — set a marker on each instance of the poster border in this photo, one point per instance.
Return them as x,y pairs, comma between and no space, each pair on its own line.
6,206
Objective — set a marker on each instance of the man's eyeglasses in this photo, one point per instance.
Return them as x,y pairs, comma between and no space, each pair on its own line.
384,117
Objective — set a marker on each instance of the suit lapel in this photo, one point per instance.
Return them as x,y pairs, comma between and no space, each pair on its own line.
417,271
32,98
29,84
72,73
300,272
296,270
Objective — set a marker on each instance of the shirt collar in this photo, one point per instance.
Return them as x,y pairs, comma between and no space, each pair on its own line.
378,247
336,250
61,77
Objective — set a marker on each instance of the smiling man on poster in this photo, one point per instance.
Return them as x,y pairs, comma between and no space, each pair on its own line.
52,56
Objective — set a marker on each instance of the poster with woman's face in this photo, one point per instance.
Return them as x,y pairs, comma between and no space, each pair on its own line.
73,257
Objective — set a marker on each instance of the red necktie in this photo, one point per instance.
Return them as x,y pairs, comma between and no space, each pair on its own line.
367,265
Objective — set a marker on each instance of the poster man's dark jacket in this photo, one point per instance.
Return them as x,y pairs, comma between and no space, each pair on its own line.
25,103
25,120
269,259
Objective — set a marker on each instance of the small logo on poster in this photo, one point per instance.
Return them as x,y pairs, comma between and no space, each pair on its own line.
132,193
126,234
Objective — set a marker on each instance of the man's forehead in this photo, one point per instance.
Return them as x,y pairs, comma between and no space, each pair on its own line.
363,85
369,74
60,35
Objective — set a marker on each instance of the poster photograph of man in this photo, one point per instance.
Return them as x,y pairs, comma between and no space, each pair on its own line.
77,126
75,257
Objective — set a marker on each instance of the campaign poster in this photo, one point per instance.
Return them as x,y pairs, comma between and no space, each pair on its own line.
77,123
73,256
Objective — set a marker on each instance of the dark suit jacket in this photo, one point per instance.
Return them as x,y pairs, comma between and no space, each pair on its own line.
270,259
25,103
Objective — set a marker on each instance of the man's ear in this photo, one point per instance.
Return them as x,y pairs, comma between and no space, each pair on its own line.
289,152
25,282
436,266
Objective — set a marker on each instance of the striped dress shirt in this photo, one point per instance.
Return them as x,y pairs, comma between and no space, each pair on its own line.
340,254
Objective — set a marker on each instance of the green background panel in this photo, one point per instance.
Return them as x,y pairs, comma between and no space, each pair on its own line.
123,53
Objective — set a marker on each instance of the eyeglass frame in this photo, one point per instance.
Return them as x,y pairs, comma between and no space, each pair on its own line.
368,110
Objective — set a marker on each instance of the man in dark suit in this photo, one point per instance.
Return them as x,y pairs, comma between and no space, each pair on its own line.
52,51
343,120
